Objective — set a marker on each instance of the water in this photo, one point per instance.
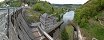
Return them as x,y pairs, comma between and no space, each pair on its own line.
67,17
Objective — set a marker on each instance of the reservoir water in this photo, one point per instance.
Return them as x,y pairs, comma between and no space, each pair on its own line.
68,16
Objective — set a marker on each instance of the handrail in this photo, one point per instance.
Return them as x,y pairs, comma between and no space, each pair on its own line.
79,35
45,33
54,27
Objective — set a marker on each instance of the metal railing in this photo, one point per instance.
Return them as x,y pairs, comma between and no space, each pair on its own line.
4,21
45,33
76,33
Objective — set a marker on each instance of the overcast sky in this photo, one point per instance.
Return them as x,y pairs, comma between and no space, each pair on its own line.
1,0
64,1
67,1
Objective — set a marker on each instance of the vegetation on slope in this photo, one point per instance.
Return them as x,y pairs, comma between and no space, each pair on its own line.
42,7
67,33
88,16
64,35
17,3
46,7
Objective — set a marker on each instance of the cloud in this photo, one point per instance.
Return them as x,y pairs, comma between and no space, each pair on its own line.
66,1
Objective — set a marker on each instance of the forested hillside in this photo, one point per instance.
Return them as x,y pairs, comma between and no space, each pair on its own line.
90,18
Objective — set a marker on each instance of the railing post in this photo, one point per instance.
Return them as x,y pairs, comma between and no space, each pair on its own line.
8,22
78,32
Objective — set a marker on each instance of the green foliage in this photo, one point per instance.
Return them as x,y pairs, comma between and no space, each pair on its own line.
14,3
2,4
43,7
29,2
34,16
58,12
69,30
102,4
64,35
88,10
38,7
11,3
86,17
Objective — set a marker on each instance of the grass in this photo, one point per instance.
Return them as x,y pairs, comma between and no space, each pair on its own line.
69,30
94,30
87,17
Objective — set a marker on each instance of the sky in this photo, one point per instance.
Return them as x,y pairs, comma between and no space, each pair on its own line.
1,0
66,1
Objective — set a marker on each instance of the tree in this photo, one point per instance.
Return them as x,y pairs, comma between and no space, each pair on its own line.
43,7
14,3
29,2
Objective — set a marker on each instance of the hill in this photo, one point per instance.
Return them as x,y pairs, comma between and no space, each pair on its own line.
91,20
68,6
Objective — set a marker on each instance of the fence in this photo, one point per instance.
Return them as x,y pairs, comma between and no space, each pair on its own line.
4,12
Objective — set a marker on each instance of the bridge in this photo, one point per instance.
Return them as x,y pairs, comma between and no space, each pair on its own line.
14,26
